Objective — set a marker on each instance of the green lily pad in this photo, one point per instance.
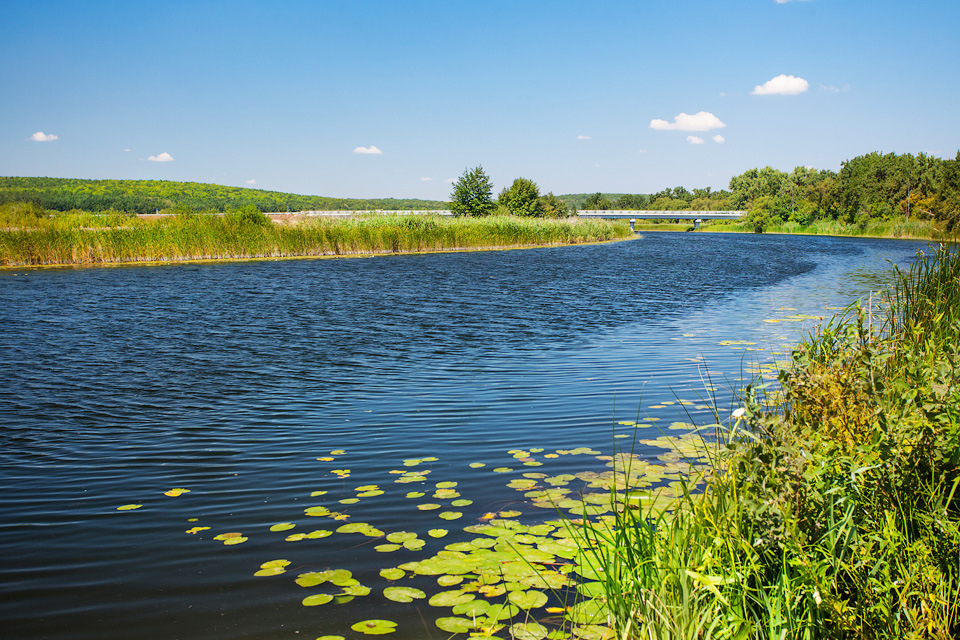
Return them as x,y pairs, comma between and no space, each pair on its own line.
317,599
350,501
314,494
318,511
386,548
374,627
428,506
403,594
338,577
400,537
450,598
502,470
437,533
370,494
129,507
356,590
449,581
446,485
393,573
528,631
473,608
455,625
477,465
527,599
451,515
415,494
414,545
282,526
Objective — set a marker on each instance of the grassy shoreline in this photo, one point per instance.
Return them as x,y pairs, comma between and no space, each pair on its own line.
89,240
831,509
892,229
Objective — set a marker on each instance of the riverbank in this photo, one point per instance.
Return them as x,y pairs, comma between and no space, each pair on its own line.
832,508
896,229
82,239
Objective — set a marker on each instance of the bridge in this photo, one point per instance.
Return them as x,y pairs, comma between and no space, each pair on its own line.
696,216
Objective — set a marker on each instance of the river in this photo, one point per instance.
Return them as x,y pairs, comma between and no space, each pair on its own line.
250,383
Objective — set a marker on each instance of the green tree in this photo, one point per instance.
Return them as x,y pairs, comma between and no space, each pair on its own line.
597,202
554,207
522,199
763,211
472,194
949,194
754,183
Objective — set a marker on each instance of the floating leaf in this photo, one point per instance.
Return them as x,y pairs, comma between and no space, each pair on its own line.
428,506
318,511
318,493
437,533
509,514
331,638
461,503
386,548
455,625
450,515
403,594
339,577
356,590
473,608
446,485
393,573
450,598
282,526
195,530
527,599
414,545
337,452
370,494
401,536
528,631
129,507
502,470
317,599
375,627
350,501
449,581
477,465
227,536
416,494
445,494
173,493
326,459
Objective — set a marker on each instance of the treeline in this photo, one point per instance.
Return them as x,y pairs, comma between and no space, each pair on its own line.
148,196
869,187
670,199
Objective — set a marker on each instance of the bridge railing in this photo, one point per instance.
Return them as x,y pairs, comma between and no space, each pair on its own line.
662,215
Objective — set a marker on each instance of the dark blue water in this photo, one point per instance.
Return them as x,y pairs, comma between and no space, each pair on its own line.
232,379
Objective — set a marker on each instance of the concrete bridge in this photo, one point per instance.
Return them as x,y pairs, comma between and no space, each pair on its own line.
696,216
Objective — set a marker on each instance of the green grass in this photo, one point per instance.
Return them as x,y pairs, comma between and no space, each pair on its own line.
832,509
874,228
29,236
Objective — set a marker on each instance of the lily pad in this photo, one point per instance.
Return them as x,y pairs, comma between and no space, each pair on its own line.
415,494
393,573
173,493
528,631
314,494
450,598
450,515
403,594
437,533
282,526
129,507
386,548
449,581
527,599
455,625
428,506
374,627
317,599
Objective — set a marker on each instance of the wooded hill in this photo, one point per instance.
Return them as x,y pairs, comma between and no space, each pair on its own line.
147,196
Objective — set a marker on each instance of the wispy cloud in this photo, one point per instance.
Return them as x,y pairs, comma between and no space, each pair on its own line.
694,140
126,150
582,137
782,85
40,136
719,139
251,181
450,180
368,151
833,89
162,157
700,121
425,179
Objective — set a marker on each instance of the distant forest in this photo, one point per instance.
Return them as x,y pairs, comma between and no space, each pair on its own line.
871,186
147,196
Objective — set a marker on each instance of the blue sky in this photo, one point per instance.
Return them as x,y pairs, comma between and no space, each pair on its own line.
382,98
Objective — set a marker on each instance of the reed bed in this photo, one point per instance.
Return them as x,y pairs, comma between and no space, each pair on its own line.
833,513
77,238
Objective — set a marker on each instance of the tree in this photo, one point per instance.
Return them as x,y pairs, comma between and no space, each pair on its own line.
949,196
754,183
597,202
472,194
554,207
522,199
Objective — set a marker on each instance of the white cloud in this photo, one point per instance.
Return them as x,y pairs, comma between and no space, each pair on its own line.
163,157
719,139
582,137
782,85
126,150
694,140
40,136
700,121
642,151
425,179
368,151
251,181
833,89
450,180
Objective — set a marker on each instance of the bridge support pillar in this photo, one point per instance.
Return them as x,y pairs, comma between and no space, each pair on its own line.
696,223
632,222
